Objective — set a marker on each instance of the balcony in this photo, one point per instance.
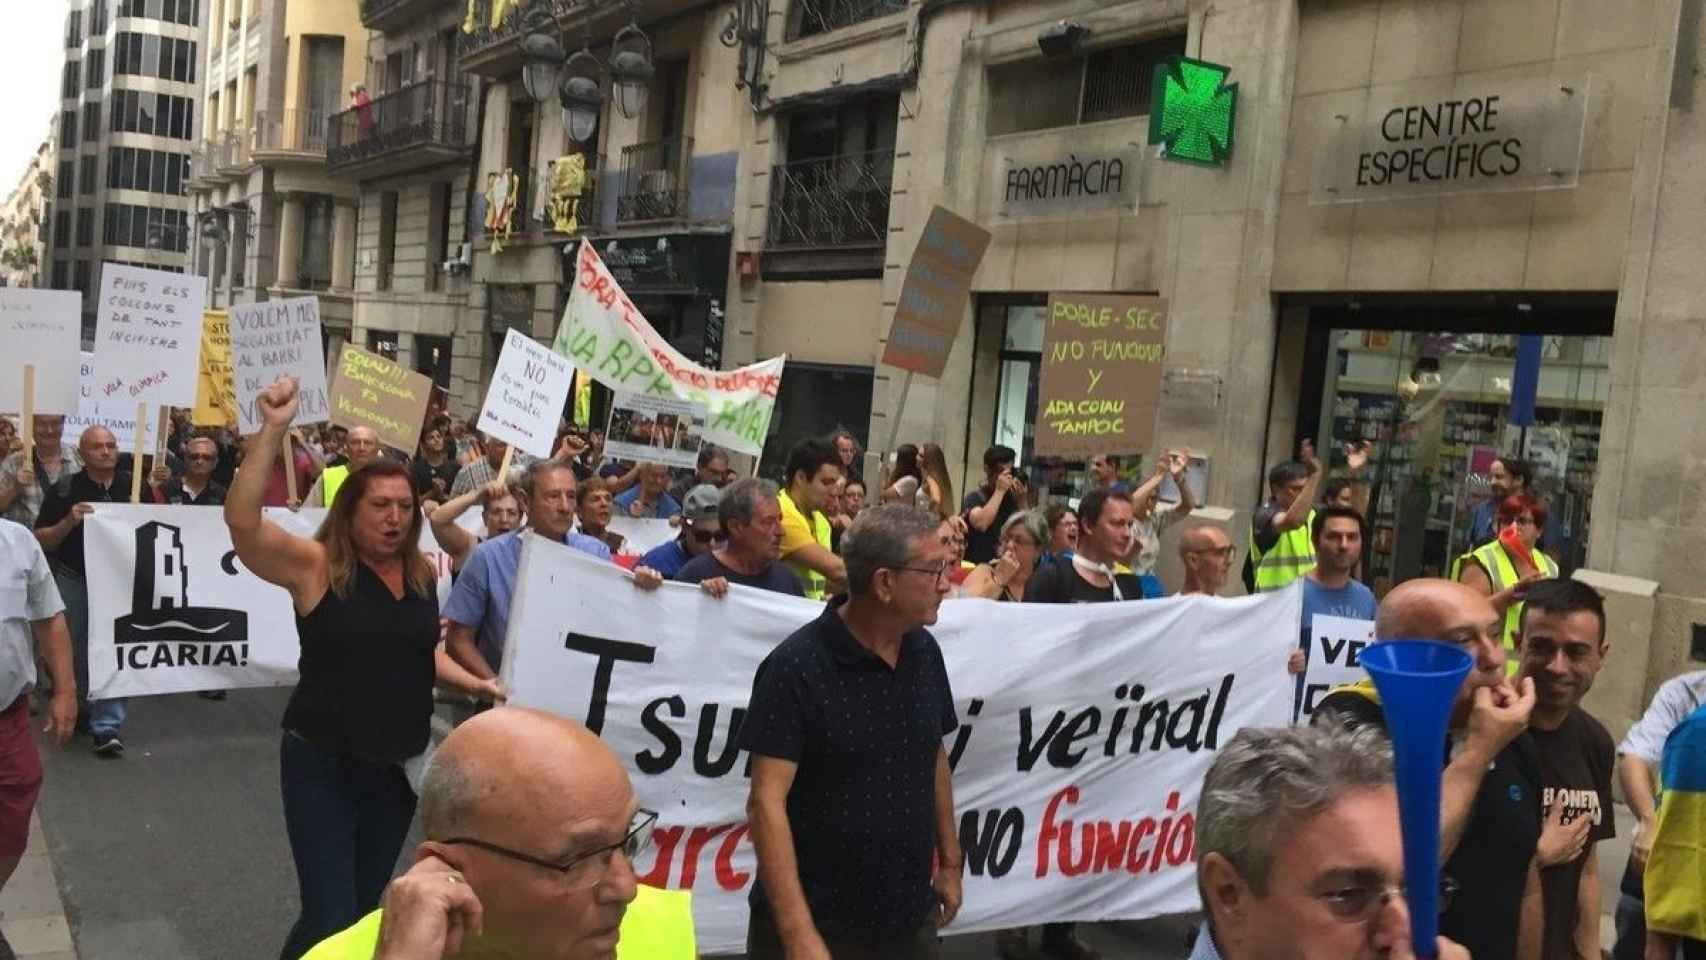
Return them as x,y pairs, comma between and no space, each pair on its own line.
822,16
418,126
535,216
829,216
233,156
290,134
654,181
496,51
389,15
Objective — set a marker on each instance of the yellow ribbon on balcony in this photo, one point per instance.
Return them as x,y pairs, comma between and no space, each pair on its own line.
568,184
500,207
500,9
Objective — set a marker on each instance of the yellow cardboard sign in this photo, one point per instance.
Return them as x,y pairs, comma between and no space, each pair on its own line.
215,393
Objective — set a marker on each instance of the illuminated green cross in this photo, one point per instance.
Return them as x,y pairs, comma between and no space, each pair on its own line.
1193,111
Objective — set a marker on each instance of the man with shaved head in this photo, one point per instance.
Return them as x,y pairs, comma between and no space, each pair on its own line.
362,448
532,829
1206,552
59,527
1490,819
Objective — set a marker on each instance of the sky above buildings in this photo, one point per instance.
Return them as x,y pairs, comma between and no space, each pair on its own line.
32,48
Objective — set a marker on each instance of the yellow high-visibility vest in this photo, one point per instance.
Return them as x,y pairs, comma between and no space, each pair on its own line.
1290,558
1502,572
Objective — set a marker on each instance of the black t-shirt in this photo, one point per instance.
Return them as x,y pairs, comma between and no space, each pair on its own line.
425,473
982,546
1576,762
1061,583
865,737
1491,862
773,577
80,489
1262,526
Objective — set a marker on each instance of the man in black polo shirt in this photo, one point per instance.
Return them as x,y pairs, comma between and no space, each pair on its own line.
59,527
1489,799
852,804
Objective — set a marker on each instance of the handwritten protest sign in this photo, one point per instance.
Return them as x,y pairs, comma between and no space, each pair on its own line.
215,397
933,298
655,429
273,339
530,384
1077,761
1101,378
1335,658
604,334
371,391
120,418
43,329
147,336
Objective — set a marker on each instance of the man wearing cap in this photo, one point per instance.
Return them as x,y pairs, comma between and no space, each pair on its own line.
699,529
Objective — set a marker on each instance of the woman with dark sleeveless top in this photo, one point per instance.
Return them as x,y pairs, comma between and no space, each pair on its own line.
367,614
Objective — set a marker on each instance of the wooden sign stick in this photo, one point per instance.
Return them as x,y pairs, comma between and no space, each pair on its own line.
136,454
29,415
503,468
289,469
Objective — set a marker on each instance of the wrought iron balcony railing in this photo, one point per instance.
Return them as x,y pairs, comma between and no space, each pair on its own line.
293,131
822,16
384,14
432,112
654,180
838,201
486,37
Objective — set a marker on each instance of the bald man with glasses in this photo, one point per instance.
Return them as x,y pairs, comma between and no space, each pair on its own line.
1206,553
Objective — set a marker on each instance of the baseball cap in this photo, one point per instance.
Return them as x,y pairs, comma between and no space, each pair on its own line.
701,504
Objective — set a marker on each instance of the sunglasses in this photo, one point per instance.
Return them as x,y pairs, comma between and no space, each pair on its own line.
706,536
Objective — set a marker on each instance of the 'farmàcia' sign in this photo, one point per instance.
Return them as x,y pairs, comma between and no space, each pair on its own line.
1486,138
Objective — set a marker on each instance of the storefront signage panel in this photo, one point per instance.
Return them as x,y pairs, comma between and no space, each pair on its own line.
1489,136
1032,183
1100,387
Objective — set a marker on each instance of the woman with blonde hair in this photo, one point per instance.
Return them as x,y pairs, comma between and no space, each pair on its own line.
937,493
366,607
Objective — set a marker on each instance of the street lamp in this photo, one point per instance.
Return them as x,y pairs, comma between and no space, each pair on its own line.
577,81
542,60
631,69
582,95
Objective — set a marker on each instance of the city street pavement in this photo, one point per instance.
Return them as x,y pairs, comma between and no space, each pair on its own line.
177,851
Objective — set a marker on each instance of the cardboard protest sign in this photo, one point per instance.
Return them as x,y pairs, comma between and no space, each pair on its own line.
120,418
215,397
524,404
604,334
1078,759
1100,387
933,297
656,429
172,610
371,391
43,329
147,336
273,339
1335,658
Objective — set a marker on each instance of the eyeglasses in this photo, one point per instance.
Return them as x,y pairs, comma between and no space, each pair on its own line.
1523,521
1359,904
937,573
705,536
199,456
585,869
1221,552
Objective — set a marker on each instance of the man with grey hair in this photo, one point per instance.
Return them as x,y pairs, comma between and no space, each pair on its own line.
479,605
532,830
852,706
751,521
1298,849
361,445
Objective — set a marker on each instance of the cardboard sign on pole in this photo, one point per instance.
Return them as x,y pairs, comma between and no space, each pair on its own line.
273,339
933,297
215,397
1100,386
648,429
43,329
116,417
147,336
371,391
530,384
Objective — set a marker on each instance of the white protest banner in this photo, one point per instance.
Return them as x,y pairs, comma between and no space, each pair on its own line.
91,413
43,329
655,429
640,535
1335,658
147,337
273,339
171,609
524,404
604,334
1084,731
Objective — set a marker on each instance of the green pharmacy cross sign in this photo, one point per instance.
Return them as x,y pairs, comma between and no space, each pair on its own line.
1193,111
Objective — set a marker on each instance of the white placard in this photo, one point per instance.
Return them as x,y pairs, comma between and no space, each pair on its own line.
1335,658
189,615
655,429
43,328
147,337
525,401
273,339
1088,728
89,413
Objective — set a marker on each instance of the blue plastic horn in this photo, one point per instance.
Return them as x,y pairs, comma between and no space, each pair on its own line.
1418,681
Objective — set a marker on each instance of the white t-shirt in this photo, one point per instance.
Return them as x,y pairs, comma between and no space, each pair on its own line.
1148,533
27,594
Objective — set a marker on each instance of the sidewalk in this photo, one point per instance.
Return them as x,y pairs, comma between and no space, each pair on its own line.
32,915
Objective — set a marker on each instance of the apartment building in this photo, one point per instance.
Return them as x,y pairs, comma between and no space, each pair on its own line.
129,92
271,220
22,217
